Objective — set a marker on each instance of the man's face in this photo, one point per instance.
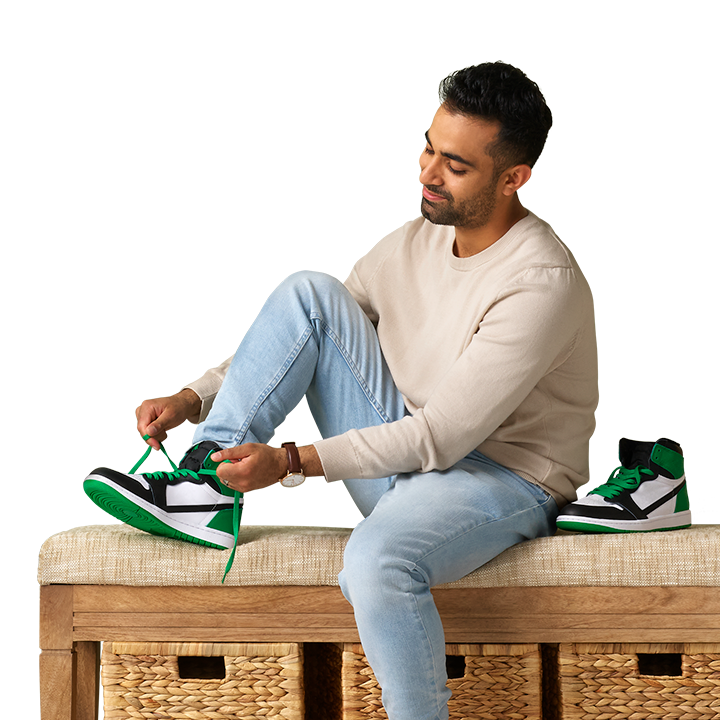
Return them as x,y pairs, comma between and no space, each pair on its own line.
459,179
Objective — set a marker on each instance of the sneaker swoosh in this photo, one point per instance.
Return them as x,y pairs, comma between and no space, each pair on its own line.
669,496
627,503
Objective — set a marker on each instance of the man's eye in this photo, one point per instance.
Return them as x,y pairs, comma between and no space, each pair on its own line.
429,150
456,172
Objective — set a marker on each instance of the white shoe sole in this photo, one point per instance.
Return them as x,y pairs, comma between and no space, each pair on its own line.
124,505
663,522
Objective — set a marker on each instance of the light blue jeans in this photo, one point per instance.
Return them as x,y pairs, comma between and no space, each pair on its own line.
420,529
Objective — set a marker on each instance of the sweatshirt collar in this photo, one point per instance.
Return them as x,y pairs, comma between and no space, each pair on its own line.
499,247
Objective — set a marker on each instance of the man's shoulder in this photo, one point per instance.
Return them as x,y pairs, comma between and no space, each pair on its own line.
542,260
539,245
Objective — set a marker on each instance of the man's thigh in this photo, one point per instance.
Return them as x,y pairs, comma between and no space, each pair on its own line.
444,524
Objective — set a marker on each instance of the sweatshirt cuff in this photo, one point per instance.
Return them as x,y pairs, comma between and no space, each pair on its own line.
206,388
338,458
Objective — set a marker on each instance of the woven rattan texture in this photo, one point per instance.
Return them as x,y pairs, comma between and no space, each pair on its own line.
604,683
261,681
266,555
499,683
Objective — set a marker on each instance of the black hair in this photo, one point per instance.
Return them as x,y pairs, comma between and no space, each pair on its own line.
500,92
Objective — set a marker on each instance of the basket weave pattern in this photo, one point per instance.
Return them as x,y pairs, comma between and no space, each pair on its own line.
499,683
603,684
141,680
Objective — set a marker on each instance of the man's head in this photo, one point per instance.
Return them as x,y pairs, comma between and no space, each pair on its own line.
497,92
483,142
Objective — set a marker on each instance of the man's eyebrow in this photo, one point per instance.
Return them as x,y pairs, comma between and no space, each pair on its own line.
450,156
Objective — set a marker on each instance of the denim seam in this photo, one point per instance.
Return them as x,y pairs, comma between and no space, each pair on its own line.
299,345
429,642
334,338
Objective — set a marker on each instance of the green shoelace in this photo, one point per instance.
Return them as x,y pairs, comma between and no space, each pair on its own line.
189,473
147,455
620,479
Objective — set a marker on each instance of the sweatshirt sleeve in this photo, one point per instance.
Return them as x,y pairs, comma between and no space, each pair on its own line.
528,331
364,270
207,387
359,292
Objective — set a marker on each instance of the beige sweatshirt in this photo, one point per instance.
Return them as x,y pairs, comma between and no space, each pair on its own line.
495,352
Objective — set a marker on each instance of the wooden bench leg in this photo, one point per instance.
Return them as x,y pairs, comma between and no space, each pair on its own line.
69,672
57,662
87,680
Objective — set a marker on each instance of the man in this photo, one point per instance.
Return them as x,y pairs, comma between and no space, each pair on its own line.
453,378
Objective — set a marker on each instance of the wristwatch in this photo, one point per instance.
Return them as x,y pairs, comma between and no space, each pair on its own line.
295,476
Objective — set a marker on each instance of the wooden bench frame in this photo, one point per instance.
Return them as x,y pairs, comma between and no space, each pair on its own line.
75,619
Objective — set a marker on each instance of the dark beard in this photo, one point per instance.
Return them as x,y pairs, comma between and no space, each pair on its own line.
472,213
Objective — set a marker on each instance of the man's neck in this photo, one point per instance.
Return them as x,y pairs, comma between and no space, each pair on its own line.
471,241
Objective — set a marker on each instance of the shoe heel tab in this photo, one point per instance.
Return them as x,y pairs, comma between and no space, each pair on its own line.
667,459
671,445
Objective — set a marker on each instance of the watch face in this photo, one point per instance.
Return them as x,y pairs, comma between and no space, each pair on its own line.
293,480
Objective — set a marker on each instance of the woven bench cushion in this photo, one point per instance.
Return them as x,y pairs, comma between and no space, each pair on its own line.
121,555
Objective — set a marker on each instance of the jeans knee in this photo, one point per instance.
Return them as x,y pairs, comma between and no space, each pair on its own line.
358,563
375,566
309,290
311,281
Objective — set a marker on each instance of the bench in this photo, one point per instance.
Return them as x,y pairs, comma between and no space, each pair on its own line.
112,583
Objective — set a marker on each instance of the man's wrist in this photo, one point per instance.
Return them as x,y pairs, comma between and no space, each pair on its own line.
191,400
282,463
310,461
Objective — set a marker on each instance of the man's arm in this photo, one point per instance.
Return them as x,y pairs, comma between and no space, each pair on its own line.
253,466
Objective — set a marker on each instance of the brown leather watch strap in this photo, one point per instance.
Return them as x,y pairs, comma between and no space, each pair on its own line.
293,457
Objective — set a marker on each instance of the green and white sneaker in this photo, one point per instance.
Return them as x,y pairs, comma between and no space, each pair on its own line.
189,503
647,492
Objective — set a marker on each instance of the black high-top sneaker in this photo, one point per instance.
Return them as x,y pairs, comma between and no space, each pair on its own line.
189,503
647,492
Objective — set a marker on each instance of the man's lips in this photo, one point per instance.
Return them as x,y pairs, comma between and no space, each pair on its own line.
430,196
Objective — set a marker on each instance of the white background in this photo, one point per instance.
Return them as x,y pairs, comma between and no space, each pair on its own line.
163,165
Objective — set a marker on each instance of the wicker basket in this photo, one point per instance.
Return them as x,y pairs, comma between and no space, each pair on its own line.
637,682
491,682
202,681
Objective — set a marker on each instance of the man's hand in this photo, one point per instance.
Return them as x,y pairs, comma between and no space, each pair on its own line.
155,417
253,466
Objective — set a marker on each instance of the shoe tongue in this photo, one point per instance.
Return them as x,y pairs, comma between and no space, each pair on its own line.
198,457
635,454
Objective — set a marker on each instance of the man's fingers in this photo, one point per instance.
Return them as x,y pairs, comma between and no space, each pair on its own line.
153,420
234,454
156,434
155,417
251,466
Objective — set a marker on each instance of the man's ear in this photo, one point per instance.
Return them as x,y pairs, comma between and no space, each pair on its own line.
514,178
